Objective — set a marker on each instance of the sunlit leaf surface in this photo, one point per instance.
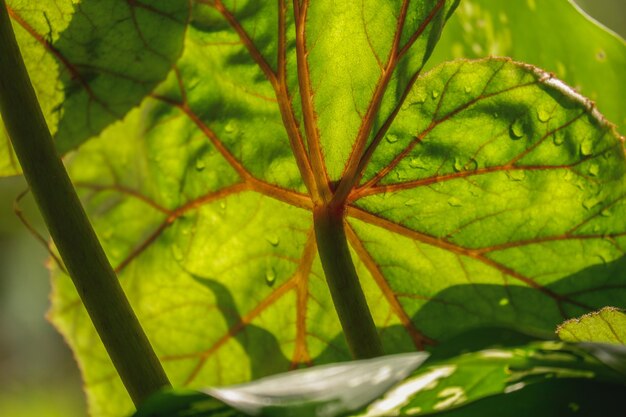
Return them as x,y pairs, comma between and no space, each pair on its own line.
482,192
605,326
92,61
552,34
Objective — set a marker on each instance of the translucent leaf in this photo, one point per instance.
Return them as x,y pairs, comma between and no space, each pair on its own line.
605,326
552,34
92,61
482,192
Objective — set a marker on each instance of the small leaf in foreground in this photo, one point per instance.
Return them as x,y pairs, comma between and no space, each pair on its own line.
393,387
605,326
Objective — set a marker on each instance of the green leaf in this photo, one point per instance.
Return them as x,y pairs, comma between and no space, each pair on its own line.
604,326
92,61
552,34
485,192
397,385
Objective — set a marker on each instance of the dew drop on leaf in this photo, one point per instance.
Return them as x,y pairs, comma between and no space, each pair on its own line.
606,213
543,115
504,302
468,89
231,127
454,202
391,138
458,165
435,93
270,276
410,202
401,175
591,202
586,148
420,97
517,129
273,240
471,165
200,165
416,162
177,252
594,169
516,174
568,175
558,138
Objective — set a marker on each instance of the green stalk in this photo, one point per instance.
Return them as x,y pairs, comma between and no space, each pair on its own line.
86,262
343,281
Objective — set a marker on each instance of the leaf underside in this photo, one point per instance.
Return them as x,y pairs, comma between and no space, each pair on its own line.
552,34
481,192
90,62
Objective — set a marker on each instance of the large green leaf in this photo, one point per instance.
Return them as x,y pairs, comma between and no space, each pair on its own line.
92,61
552,34
397,386
484,192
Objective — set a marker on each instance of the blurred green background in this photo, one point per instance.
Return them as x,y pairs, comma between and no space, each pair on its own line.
38,376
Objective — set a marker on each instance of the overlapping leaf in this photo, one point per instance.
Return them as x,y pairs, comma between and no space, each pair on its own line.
91,61
392,386
552,34
484,192
605,326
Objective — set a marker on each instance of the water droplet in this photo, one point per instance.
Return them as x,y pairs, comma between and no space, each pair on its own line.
223,205
273,240
401,175
471,165
606,212
391,138
517,129
410,202
516,175
504,302
591,202
568,175
586,147
558,138
107,234
594,169
468,89
454,202
495,115
231,127
435,93
177,252
420,97
270,276
543,115
200,165
416,162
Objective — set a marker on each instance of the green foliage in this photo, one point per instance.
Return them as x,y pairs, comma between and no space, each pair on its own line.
552,34
605,326
375,388
91,62
482,192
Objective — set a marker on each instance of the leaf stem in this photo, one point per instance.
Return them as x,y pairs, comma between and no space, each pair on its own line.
69,227
343,281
